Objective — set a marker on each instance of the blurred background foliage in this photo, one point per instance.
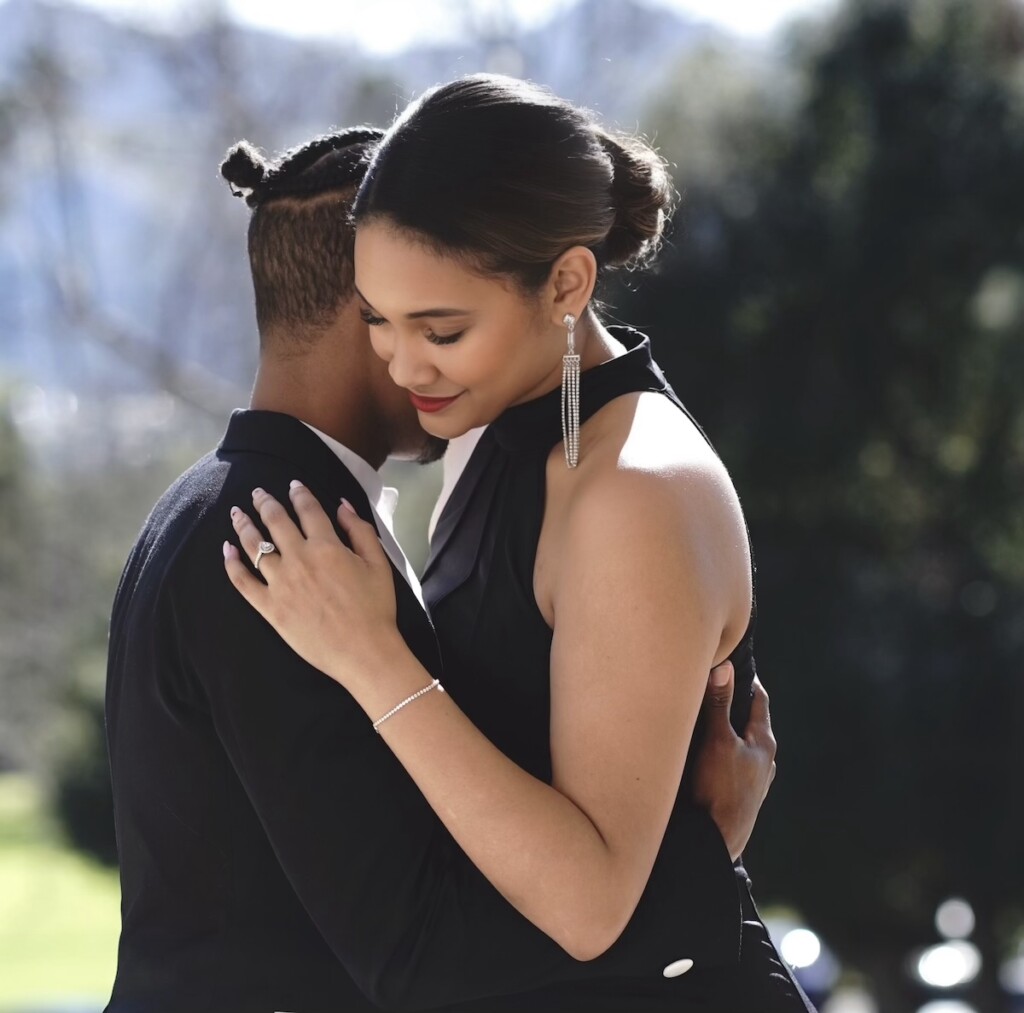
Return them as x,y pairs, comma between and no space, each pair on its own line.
845,311
841,304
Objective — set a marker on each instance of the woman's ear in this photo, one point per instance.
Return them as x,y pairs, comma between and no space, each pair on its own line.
571,283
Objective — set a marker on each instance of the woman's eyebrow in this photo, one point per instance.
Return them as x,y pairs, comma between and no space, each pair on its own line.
436,311
361,296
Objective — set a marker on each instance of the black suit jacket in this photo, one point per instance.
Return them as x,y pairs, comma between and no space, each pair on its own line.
274,854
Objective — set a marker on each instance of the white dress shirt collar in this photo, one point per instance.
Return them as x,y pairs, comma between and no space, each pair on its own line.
460,450
383,501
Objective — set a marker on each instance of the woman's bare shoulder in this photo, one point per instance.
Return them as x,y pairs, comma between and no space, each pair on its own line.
649,481
643,445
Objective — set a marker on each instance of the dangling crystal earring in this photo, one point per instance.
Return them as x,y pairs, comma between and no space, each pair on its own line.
571,396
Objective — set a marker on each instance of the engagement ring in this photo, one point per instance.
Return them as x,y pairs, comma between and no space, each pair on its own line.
263,549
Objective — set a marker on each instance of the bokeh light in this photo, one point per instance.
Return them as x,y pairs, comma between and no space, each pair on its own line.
800,947
947,1006
955,918
948,965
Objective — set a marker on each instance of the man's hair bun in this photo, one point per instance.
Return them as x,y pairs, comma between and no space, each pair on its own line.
329,161
245,168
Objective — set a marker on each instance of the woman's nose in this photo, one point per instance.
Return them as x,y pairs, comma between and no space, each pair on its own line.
407,367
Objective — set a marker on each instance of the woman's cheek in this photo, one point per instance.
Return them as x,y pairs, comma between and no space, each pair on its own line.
381,344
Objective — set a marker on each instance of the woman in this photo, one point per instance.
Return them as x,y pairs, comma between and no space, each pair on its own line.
592,565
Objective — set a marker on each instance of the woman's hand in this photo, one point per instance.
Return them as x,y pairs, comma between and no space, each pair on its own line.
334,606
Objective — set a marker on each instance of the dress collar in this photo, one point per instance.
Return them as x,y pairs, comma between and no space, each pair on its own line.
537,424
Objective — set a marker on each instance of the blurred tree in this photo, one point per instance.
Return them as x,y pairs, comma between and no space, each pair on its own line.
69,512
375,99
79,769
46,95
717,95
845,312
20,650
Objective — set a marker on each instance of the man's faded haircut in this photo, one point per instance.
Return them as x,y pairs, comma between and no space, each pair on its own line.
301,236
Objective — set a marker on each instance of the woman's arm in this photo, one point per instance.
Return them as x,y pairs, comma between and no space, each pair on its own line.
640,602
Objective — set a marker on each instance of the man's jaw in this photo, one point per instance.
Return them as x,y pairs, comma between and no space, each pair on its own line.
433,450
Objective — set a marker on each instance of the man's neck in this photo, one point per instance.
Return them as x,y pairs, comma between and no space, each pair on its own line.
310,394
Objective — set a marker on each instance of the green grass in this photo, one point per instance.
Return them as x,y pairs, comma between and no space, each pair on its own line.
59,912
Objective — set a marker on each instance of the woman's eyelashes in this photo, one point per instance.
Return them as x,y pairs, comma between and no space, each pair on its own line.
372,320
444,339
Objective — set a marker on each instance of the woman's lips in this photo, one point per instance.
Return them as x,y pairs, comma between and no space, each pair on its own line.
431,404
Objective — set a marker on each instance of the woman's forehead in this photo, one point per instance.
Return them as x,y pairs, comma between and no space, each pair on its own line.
392,265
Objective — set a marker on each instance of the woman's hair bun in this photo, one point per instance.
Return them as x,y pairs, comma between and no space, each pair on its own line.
643,197
244,167
447,170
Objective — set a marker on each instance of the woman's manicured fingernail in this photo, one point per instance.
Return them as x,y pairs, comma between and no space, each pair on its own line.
348,506
235,512
720,675
295,484
227,549
257,492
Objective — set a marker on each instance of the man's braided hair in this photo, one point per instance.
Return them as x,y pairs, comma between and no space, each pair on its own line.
301,237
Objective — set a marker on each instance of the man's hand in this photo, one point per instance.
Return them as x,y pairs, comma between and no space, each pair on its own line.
733,774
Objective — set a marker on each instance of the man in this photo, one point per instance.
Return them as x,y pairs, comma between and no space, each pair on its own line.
274,855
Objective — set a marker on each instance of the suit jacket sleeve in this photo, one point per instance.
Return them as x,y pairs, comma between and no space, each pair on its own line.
413,921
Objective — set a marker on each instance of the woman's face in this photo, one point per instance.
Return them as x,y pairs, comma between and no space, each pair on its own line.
464,346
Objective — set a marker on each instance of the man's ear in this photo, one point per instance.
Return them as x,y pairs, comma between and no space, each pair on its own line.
571,283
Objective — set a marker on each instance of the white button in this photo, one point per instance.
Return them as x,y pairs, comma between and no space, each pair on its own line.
678,967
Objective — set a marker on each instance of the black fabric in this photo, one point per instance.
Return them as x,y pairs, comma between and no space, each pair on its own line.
274,855
496,646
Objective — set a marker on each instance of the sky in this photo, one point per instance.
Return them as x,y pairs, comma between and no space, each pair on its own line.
385,26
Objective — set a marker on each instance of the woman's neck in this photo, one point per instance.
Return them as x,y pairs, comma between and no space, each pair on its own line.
595,344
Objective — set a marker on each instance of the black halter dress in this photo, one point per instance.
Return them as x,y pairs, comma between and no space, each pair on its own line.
496,645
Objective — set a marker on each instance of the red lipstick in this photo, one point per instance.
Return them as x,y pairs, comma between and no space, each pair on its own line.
431,404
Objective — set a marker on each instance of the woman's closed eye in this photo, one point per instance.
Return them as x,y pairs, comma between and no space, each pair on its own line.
443,339
372,320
